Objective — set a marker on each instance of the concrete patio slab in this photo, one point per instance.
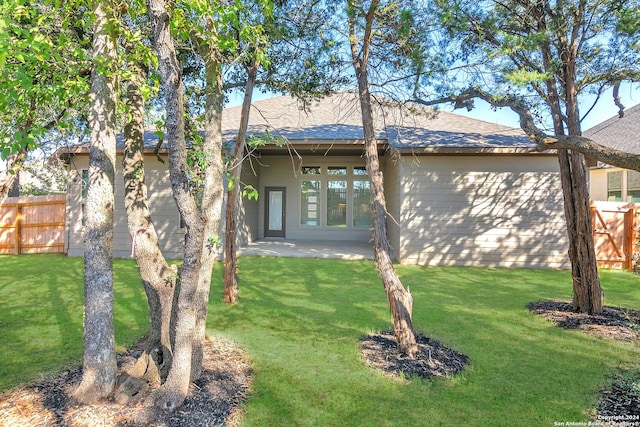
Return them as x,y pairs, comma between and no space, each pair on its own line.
308,249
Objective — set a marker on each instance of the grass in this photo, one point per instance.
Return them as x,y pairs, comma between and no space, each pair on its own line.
41,312
299,320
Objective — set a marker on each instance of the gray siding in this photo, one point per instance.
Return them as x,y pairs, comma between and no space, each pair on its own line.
162,205
482,211
393,197
248,210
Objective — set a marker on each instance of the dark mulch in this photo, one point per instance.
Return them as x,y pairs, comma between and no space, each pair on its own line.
614,322
433,359
621,402
215,398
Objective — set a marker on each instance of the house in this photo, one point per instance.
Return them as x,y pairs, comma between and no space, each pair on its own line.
459,191
613,183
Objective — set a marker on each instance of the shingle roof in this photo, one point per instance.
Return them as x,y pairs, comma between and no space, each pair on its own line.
336,121
338,118
620,133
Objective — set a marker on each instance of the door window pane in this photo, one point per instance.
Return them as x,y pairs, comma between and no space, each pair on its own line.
337,170
310,203
275,210
337,203
361,204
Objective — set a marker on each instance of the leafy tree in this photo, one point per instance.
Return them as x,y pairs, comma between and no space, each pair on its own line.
159,279
281,48
251,43
99,368
44,70
201,217
363,31
545,54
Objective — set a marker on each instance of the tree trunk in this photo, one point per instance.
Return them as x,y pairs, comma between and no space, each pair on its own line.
213,194
99,367
587,292
200,223
230,295
14,163
158,278
400,299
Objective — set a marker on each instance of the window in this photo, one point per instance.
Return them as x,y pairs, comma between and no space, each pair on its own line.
85,188
335,196
310,203
311,170
633,186
361,204
614,186
360,171
85,183
337,203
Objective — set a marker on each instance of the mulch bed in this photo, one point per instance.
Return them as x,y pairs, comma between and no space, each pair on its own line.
614,322
215,398
433,359
621,402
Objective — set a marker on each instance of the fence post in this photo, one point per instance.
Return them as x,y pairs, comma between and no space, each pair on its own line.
18,229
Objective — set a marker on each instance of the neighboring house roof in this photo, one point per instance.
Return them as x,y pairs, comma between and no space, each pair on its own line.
622,133
337,119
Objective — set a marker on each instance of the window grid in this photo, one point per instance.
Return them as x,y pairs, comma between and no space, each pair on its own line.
335,196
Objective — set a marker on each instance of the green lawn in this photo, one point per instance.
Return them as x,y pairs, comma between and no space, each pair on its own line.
299,321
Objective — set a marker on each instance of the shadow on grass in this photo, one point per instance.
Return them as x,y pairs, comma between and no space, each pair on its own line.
41,314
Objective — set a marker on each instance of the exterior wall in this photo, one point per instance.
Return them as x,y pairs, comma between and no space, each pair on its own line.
598,184
482,211
248,210
393,172
278,171
164,212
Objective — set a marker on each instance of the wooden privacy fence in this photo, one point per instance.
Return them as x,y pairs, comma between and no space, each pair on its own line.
615,225
32,224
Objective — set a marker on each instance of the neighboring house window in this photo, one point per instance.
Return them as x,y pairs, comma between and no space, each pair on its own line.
633,186
343,190
614,186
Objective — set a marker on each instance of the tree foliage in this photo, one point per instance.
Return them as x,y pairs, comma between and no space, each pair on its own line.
45,62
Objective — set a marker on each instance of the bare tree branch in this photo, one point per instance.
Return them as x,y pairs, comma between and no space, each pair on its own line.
543,141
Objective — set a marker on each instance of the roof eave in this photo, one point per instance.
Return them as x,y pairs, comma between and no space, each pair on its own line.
443,150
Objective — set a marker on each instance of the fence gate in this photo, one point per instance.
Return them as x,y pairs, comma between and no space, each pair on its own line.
32,224
614,233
